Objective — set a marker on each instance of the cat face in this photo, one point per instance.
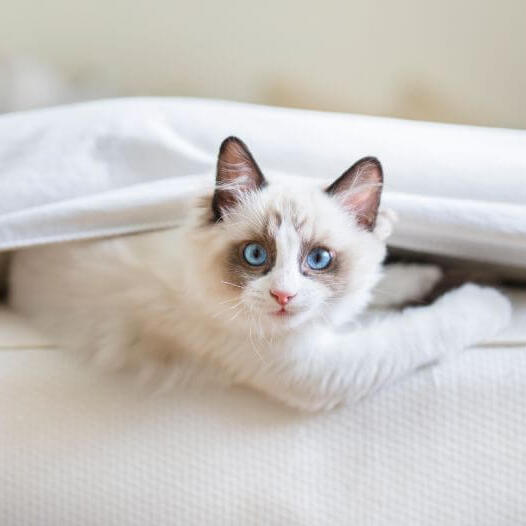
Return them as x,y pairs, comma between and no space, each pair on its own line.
284,253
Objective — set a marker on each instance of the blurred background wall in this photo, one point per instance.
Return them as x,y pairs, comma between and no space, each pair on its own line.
454,60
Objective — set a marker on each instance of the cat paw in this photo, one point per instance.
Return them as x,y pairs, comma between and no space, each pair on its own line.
484,310
403,283
426,278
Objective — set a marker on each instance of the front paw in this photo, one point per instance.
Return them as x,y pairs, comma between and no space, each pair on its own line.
426,278
483,311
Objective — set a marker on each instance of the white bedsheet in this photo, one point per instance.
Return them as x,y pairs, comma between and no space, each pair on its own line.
446,447
123,165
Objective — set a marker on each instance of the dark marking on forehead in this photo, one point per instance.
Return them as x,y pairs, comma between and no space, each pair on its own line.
272,224
298,223
296,217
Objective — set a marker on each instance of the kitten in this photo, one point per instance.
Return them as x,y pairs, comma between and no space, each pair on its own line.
254,286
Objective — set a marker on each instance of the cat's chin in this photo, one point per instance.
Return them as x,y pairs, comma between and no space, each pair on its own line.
286,319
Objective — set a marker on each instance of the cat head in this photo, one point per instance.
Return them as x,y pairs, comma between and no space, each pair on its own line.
276,254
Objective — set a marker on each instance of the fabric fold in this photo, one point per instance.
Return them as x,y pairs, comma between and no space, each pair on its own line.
125,165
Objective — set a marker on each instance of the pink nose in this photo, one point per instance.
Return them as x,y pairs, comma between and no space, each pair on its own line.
281,296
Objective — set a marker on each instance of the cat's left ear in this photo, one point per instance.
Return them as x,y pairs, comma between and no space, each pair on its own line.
359,190
237,174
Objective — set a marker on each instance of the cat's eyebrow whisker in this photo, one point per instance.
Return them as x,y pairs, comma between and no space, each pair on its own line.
248,219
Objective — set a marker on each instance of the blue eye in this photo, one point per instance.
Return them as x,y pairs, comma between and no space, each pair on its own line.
255,254
319,258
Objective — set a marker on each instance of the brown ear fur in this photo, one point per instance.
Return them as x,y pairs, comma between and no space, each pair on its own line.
237,172
359,189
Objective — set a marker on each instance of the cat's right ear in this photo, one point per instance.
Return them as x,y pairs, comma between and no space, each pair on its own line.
237,173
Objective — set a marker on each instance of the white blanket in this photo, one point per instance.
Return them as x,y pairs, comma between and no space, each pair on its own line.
125,165
443,448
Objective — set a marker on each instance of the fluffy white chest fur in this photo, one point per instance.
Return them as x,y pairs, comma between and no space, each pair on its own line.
253,289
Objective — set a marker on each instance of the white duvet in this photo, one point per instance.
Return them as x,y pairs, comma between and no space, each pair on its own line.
446,447
124,165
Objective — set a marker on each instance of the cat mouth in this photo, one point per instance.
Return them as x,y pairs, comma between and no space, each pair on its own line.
282,313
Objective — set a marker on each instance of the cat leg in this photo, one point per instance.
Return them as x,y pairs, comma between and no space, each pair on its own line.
404,283
351,366
120,344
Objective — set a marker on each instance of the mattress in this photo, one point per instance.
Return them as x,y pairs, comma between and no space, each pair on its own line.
444,447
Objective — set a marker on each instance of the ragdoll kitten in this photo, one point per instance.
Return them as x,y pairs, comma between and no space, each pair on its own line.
254,286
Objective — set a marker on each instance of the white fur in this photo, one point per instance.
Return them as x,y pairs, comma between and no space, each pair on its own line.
404,283
162,298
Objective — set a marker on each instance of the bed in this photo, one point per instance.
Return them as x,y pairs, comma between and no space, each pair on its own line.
443,447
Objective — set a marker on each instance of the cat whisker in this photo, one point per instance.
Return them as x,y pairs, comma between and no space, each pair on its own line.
228,301
235,315
254,348
232,284
229,308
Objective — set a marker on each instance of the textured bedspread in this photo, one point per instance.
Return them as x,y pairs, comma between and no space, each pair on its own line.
445,447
